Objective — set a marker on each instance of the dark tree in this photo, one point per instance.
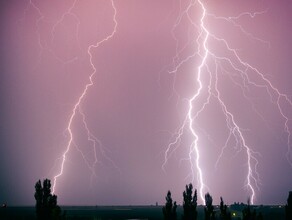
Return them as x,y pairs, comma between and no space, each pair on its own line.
224,214
249,214
169,210
209,209
190,203
38,195
46,203
288,207
246,212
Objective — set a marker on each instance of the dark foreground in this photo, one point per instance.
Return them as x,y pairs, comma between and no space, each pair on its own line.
130,212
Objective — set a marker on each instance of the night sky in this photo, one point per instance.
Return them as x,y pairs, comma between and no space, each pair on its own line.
145,74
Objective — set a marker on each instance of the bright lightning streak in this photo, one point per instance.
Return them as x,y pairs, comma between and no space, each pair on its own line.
82,96
77,106
189,121
190,112
195,107
235,129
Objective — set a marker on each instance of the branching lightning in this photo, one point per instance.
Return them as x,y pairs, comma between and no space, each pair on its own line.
76,110
207,90
209,65
80,99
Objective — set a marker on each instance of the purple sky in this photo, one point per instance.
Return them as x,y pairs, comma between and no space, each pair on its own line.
137,103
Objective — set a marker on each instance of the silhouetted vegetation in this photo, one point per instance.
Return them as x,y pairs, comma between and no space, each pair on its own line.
209,209
190,203
46,203
191,210
224,214
248,214
169,210
288,207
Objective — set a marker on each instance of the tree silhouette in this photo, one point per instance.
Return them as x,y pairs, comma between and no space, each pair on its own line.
248,214
190,203
224,214
288,207
209,209
169,210
46,203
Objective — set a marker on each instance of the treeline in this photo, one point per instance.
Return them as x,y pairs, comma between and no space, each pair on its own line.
48,209
190,208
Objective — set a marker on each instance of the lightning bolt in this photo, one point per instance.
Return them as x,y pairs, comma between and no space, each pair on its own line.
76,111
206,91
80,99
209,90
